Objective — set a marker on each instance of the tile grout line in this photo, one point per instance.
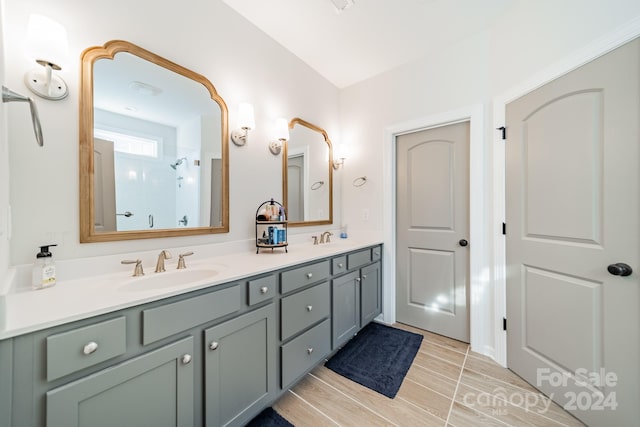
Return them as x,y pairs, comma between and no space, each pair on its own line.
352,399
450,362
484,374
316,409
453,399
436,373
428,388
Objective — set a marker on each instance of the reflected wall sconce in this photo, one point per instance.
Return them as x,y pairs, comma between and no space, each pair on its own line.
281,135
246,121
47,44
342,152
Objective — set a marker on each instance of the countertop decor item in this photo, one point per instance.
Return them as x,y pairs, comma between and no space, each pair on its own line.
271,226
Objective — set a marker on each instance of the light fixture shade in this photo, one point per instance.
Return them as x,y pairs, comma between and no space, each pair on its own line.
246,119
342,151
282,129
47,41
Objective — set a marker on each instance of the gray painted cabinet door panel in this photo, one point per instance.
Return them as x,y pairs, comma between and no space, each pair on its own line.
155,389
346,308
240,364
370,293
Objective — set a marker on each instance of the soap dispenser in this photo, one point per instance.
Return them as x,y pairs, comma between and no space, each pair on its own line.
44,269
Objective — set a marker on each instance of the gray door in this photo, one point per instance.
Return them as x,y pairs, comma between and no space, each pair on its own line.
572,210
432,228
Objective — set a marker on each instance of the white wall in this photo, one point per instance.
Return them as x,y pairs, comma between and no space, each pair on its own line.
4,169
530,37
203,35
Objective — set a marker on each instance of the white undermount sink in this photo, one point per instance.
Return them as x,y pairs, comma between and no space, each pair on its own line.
168,279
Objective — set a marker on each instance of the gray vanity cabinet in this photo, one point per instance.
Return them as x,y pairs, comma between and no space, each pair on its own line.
346,308
357,295
370,293
154,389
216,356
240,367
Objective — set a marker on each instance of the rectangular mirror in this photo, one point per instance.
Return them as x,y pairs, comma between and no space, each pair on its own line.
153,148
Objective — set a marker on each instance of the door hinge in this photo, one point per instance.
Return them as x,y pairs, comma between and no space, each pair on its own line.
504,228
504,132
504,323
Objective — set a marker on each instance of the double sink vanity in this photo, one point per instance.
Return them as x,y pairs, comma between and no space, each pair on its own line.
212,344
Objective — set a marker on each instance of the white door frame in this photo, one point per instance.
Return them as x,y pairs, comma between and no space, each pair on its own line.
590,52
478,272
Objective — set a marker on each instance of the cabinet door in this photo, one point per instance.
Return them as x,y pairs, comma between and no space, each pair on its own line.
370,293
240,367
346,308
155,389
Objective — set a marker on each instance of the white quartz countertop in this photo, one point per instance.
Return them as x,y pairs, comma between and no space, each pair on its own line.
27,311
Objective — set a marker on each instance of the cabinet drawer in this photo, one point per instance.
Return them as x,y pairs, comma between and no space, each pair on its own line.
358,259
339,265
304,309
299,277
302,353
376,253
262,289
166,320
80,348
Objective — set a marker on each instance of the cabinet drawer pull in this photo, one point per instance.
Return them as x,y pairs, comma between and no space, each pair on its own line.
186,359
264,290
340,265
357,279
213,345
377,253
309,275
310,350
364,276
309,307
90,348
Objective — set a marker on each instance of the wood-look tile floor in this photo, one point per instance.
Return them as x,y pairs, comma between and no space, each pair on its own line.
447,385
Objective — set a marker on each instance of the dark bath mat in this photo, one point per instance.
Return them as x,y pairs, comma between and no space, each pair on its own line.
378,358
269,418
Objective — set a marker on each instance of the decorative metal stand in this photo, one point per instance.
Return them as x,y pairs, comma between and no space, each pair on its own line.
271,233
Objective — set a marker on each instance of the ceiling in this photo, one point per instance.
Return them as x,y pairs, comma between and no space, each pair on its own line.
371,36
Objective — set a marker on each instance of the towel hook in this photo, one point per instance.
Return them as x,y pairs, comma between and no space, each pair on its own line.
10,96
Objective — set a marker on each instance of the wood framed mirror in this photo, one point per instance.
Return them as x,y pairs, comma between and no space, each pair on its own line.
153,148
307,175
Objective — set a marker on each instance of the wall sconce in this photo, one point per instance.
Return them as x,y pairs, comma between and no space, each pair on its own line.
46,43
281,135
246,121
342,152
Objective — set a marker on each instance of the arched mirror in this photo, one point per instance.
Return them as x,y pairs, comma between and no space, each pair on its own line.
153,148
307,175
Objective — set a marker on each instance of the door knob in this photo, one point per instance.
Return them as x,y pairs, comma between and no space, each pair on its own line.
463,242
620,269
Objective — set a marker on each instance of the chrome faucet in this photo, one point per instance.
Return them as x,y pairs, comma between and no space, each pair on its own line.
165,254
328,234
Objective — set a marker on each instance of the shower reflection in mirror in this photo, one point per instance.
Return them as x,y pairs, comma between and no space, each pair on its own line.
132,175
